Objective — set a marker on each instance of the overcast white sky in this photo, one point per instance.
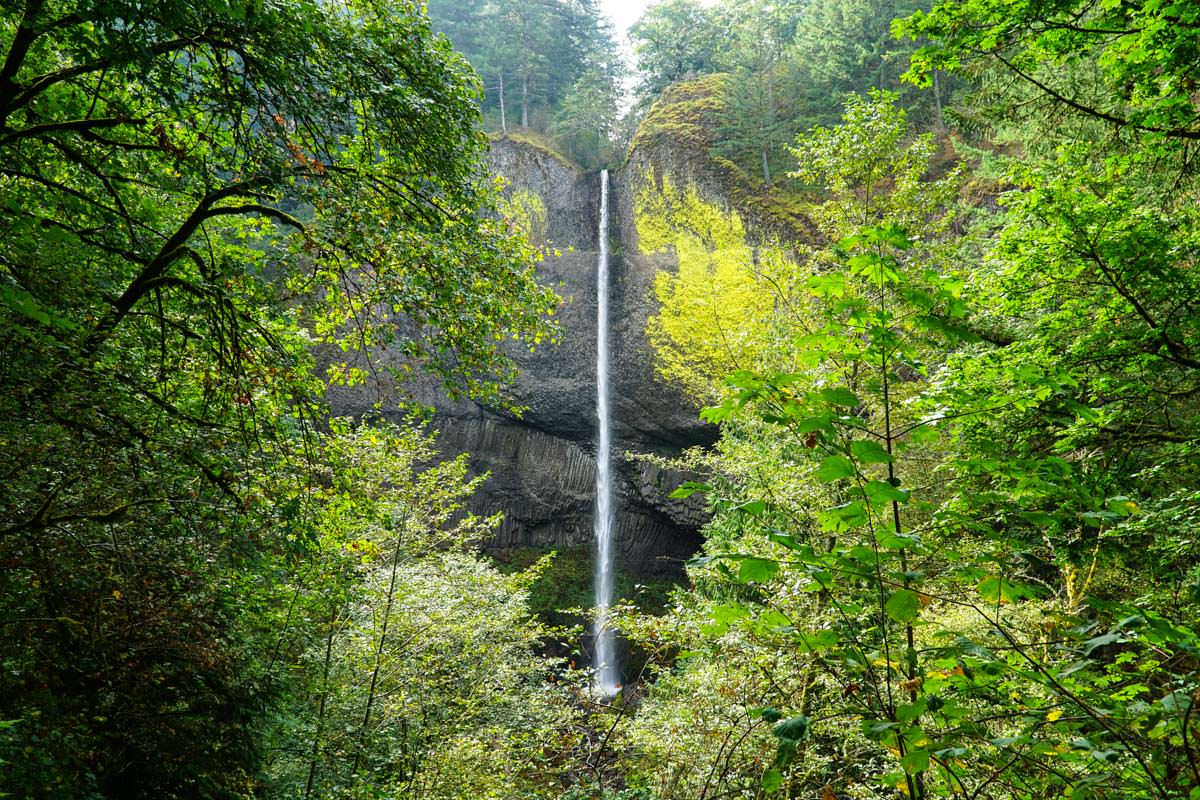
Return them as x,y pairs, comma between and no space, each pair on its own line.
623,13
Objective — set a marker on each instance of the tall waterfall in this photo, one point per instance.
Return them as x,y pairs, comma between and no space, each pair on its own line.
608,675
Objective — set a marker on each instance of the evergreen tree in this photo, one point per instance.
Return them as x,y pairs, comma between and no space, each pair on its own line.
847,46
588,118
530,55
764,97
673,40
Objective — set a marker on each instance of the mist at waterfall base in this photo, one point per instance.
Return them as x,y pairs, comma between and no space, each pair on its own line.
607,670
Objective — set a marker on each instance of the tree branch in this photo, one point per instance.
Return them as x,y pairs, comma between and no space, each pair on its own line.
171,250
43,82
70,125
1179,133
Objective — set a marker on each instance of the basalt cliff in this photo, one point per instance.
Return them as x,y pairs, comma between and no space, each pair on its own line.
542,464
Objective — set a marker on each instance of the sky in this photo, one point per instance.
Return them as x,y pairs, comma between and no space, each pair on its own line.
623,13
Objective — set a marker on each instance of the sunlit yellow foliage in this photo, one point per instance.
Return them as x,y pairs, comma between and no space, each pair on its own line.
718,311
526,211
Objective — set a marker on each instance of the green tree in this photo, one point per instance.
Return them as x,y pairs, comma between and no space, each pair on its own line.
196,194
588,118
531,55
421,678
882,304
954,542
675,39
846,46
764,97
1143,53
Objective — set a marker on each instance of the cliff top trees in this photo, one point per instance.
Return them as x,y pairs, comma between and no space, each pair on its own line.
531,55
673,39
791,63
587,120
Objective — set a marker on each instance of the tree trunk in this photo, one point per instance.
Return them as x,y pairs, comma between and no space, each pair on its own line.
766,139
937,101
524,101
503,121
387,616
320,732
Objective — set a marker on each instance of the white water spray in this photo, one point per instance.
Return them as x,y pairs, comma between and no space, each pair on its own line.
608,675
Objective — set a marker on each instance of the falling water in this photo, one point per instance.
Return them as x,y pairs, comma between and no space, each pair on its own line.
608,676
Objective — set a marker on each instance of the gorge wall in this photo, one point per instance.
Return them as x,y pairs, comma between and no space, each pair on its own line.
542,465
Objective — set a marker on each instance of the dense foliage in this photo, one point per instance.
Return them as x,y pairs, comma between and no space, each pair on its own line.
955,499
791,65
194,196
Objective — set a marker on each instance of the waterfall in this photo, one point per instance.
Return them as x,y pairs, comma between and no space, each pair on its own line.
608,676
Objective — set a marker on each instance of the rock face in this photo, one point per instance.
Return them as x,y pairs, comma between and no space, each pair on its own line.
558,384
543,465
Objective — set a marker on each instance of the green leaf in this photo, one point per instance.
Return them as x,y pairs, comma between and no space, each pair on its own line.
869,451
1039,518
1103,640
839,396
879,492
768,713
924,435
728,612
903,606
757,570
915,761
772,780
995,589
845,517
835,468
717,414
752,507
794,729
1122,506
689,488
830,284
722,617
821,422
786,378
25,304
893,234
863,263
891,541
816,641
744,379
1098,518
785,539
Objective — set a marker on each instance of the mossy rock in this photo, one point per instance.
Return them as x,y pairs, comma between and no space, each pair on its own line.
536,141
679,130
